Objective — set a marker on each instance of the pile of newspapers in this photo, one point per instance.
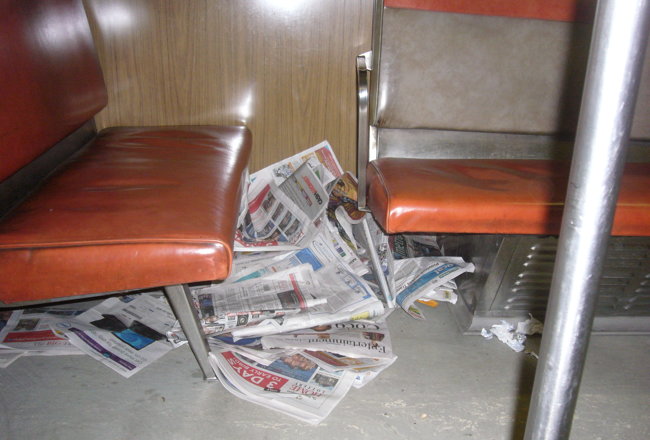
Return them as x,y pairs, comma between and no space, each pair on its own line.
302,317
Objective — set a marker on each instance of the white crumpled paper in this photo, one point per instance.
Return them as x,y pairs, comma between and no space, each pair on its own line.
514,337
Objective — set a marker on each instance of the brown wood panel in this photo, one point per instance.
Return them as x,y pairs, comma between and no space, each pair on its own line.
284,68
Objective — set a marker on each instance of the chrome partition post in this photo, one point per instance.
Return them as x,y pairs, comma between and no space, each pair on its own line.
364,61
367,92
180,300
377,33
616,57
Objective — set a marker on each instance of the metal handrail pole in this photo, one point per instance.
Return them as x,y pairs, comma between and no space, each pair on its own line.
615,62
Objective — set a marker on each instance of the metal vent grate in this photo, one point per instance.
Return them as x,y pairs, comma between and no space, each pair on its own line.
624,289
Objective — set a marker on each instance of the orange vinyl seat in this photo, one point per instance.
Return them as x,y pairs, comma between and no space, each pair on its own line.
138,208
490,196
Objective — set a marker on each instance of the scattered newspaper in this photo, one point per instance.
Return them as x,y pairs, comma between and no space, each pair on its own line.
125,333
343,211
366,369
226,306
307,192
248,347
414,245
293,385
420,277
346,297
354,339
244,261
7,355
273,222
28,332
321,158
285,199
373,248
363,347
326,247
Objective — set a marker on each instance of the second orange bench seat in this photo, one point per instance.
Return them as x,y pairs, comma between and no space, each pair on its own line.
490,196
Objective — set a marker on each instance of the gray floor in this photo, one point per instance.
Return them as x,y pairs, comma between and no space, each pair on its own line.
443,386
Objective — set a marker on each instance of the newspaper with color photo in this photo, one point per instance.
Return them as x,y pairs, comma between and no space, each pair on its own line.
293,384
426,277
125,333
285,198
28,332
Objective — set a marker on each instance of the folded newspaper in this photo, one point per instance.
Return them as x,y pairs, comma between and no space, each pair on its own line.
363,347
289,300
426,277
293,384
125,333
357,339
284,199
27,332
298,376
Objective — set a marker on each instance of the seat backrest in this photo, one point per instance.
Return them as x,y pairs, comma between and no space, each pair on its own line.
50,81
452,70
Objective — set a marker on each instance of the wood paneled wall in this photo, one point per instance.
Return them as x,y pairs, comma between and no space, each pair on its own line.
284,68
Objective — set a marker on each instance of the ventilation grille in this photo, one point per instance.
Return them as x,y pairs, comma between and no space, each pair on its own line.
624,288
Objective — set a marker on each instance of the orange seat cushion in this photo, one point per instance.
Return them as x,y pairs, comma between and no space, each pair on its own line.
490,196
140,207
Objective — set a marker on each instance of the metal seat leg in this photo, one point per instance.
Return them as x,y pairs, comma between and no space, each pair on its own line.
180,300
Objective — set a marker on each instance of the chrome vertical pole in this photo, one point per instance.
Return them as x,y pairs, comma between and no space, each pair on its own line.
616,58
